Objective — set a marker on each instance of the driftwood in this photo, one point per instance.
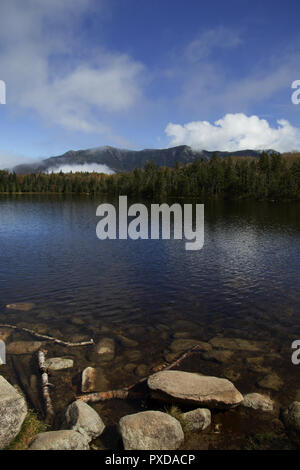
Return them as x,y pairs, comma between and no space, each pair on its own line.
45,386
126,392
46,337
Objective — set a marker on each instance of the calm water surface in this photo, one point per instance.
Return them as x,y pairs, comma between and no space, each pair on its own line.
244,282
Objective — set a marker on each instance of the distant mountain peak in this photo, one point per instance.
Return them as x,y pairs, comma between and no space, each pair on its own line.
121,160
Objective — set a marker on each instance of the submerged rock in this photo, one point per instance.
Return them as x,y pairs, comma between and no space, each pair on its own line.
142,370
13,410
127,342
133,355
258,402
271,381
197,420
191,388
221,356
150,430
93,380
106,349
81,417
60,440
237,344
59,363
23,347
23,306
181,345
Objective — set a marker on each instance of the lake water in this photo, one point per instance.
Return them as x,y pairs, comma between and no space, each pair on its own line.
244,283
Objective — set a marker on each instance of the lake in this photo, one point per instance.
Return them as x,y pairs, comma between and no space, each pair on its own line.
244,283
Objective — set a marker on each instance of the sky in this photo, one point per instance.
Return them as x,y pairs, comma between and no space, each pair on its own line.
147,74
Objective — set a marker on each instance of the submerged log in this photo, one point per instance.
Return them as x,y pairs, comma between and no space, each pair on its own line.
46,337
45,386
126,392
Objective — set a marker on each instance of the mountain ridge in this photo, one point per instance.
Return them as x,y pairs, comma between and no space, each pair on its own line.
122,160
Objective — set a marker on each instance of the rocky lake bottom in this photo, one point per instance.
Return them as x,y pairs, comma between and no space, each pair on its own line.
123,354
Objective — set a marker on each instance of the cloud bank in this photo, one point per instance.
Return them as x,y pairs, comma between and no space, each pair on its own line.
50,70
235,132
85,167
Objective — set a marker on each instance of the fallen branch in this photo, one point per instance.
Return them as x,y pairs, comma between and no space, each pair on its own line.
124,393
45,386
46,337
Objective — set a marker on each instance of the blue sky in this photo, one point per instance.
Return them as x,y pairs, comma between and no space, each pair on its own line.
141,74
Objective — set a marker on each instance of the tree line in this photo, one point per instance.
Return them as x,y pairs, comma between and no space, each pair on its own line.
267,177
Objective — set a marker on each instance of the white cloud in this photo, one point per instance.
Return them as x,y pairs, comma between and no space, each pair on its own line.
207,41
48,69
235,132
85,167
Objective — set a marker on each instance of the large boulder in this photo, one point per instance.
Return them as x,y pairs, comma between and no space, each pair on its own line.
60,440
194,389
13,410
151,430
81,417
257,401
197,420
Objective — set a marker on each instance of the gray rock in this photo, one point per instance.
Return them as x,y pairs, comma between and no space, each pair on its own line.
13,410
151,430
256,401
197,420
59,363
106,349
60,440
23,347
195,389
81,417
291,418
93,380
